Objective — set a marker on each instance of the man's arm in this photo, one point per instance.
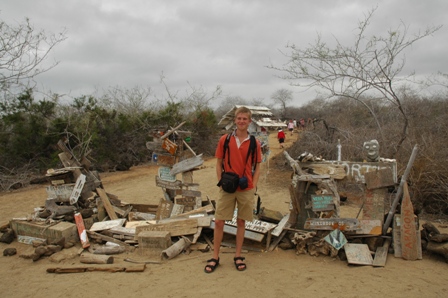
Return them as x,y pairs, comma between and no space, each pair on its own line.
219,168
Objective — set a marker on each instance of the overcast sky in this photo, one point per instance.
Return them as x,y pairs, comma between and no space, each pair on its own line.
211,42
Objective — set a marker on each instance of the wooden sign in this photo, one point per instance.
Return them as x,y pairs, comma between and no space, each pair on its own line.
379,178
169,146
370,227
322,202
177,209
343,224
409,249
336,239
177,227
166,160
187,165
164,209
358,254
106,225
232,231
61,193
373,207
168,184
255,225
164,174
77,189
193,202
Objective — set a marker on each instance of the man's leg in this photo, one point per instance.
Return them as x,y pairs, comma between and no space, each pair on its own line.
217,239
240,230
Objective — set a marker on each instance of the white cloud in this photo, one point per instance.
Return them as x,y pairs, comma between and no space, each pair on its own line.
209,43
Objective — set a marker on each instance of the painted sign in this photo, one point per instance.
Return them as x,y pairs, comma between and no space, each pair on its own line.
169,146
322,202
343,224
77,189
336,239
255,225
164,174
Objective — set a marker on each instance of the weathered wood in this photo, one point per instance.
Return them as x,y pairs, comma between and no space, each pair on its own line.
175,249
164,209
373,207
380,178
134,268
232,231
358,254
178,227
77,189
381,254
109,250
102,237
171,131
187,165
169,146
168,184
408,228
106,225
336,171
87,258
107,205
343,224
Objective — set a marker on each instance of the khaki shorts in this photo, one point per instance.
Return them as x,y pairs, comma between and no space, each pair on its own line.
243,200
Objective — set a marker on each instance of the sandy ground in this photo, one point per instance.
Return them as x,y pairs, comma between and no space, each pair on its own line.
280,273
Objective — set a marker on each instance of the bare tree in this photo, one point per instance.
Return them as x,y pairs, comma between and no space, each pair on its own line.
282,97
22,51
371,66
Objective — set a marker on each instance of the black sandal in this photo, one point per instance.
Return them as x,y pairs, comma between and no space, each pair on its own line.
239,266
211,267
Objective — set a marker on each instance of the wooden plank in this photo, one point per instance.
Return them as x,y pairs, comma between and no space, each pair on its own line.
282,224
106,225
187,165
107,205
176,228
381,254
255,225
248,234
168,184
122,231
380,178
177,209
373,207
164,209
408,228
370,227
188,193
77,190
358,254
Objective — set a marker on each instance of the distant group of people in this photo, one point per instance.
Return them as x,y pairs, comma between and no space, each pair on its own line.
291,126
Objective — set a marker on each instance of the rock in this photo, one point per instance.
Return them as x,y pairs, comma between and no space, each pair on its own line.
8,236
9,252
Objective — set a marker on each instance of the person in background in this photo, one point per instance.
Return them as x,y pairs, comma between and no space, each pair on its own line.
291,126
281,137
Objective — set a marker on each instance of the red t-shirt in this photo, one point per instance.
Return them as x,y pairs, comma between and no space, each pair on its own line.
238,156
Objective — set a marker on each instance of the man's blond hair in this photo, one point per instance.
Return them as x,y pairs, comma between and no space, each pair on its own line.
243,110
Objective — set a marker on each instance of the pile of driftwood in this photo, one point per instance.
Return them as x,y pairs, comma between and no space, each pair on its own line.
104,225
317,228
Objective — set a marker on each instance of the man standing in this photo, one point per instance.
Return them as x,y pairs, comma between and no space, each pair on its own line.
236,161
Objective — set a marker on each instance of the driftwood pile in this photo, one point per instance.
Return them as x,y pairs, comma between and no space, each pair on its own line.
105,225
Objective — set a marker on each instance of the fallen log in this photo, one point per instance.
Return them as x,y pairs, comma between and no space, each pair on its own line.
96,259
